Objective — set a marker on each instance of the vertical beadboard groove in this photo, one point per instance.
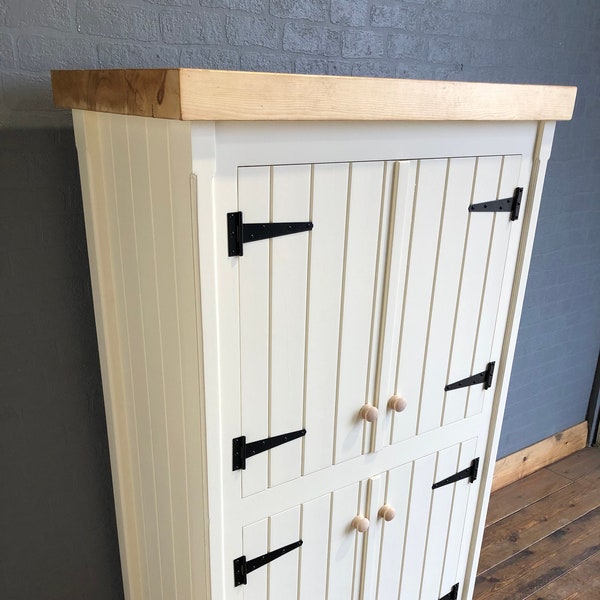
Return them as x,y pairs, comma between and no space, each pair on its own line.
438,475
391,189
307,323
448,536
327,241
182,537
376,317
142,298
329,538
406,524
162,342
117,265
475,367
194,415
270,336
341,317
459,292
404,293
255,315
127,328
132,294
432,297
291,195
379,306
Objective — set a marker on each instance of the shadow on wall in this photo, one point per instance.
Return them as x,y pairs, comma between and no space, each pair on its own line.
58,522
26,102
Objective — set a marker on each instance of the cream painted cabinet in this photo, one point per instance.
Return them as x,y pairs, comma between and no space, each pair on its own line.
307,292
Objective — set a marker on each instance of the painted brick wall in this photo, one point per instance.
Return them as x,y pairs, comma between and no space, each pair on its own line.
57,518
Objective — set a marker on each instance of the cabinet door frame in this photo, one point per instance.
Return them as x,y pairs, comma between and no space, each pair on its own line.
218,149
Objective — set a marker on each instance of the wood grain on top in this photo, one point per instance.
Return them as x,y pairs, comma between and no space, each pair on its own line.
206,95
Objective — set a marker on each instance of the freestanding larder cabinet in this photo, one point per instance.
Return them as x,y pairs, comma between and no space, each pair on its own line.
307,292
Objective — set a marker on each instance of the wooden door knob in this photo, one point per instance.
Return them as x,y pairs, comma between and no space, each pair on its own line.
360,523
387,512
397,403
369,413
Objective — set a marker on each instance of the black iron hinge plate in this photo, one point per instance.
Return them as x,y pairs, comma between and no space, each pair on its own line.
241,566
470,473
484,377
240,233
243,451
510,205
452,594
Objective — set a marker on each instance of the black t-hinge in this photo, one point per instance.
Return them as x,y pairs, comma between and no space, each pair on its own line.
469,472
511,205
452,594
484,377
240,233
242,450
241,566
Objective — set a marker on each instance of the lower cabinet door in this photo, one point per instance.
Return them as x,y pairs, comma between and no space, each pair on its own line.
392,536
326,565
413,546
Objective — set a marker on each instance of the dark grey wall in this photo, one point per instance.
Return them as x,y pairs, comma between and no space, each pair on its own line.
56,513
57,521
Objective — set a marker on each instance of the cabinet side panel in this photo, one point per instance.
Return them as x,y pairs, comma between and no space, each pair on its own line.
150,238
97,179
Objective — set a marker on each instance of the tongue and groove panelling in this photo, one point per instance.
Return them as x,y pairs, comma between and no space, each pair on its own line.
310,310
311,305
138,207
414,556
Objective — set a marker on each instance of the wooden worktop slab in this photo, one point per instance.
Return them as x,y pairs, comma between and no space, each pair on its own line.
206,95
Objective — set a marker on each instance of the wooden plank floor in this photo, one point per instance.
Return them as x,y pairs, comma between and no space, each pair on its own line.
542,536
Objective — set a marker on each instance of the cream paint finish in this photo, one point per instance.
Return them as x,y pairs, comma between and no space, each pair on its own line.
198,348
137,205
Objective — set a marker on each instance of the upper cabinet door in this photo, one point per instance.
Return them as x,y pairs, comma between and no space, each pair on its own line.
310,313
447,267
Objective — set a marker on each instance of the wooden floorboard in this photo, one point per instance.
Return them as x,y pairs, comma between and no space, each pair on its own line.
581,583
543,537
517,496
577,465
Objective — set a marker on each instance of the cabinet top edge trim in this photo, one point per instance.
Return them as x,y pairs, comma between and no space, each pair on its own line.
210,95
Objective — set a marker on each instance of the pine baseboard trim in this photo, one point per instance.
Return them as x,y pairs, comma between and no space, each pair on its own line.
515,466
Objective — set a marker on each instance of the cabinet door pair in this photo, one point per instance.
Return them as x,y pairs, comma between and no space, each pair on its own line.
391,536
394,292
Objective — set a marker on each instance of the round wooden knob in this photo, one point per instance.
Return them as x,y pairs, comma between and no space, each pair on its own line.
397,403
360,523
387,512
369,413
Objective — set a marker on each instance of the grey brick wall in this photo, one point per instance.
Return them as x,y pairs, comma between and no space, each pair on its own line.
57,518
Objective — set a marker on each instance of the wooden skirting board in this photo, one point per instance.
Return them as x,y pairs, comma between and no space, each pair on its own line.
515,466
